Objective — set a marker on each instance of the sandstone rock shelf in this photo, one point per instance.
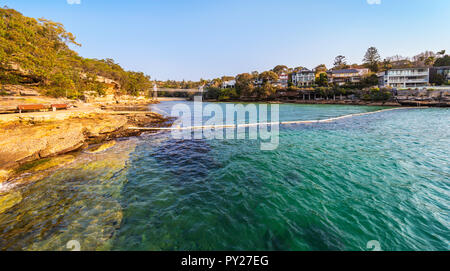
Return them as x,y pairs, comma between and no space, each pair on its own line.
28,140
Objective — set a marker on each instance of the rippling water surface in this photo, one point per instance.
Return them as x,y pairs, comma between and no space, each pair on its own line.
328,186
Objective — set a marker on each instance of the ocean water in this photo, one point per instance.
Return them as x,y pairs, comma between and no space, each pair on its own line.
328,186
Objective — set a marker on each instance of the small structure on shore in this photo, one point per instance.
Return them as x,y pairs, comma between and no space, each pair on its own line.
155,91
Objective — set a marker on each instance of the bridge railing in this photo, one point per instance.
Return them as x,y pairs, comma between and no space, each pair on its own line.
195,90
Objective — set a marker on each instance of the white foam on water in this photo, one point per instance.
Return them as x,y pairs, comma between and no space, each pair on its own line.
175,126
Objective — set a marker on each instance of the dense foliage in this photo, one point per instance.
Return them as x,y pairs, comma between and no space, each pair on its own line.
443,61
376,94
181,84
38,52
266,85
372,59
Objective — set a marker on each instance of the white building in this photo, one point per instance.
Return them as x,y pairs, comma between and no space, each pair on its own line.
303,78
405,78
229,84
345,76
282,81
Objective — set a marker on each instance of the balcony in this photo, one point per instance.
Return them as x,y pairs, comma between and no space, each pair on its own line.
407,74
416,81
407,78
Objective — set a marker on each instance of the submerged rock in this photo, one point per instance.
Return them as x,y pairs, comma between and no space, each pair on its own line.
44,164
80,201
9,200
25,142
37,170
102,147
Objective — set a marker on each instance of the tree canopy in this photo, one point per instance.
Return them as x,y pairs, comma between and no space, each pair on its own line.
372,58
340,62
37,51
244,84
268,76
279,69
443,61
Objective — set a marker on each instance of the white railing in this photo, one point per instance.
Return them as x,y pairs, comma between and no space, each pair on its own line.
408,74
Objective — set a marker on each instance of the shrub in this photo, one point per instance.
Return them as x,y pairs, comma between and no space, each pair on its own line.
227,94
376,94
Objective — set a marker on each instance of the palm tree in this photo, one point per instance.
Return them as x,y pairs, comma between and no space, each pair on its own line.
429,61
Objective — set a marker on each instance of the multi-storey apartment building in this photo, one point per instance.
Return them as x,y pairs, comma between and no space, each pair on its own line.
341,77
405,78
303,78
229,84
282,80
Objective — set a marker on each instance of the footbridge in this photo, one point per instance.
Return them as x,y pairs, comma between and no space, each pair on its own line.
176,90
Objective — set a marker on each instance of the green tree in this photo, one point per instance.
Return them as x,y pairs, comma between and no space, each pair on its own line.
267,90
430,61
442,61
244,84
321,68
216,83
212,93
37,51
437,79
228,94
376,94
279,69
322,80
268,76
387,64
340,62
372,58
137,82
369,81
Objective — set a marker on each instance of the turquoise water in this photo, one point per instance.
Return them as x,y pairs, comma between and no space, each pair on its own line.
328,186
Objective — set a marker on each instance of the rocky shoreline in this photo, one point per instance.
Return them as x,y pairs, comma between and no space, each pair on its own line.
337,102
344,102
406,103
29,141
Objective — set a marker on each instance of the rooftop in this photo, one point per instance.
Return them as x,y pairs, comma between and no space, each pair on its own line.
304,71
413,68
346,71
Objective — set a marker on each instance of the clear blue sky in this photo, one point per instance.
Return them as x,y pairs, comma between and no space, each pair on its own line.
193,39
